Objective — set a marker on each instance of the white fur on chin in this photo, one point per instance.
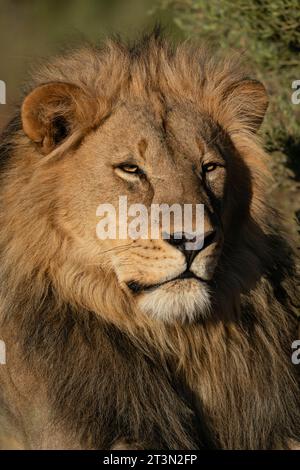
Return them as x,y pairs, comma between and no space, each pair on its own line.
181,300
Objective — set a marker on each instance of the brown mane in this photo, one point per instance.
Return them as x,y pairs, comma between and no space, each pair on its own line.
224,382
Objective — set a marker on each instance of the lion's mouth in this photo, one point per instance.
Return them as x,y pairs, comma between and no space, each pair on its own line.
137,287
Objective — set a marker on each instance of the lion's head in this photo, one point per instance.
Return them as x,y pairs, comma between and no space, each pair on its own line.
158,340
159,126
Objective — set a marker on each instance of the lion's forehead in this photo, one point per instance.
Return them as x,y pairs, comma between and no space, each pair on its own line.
178,129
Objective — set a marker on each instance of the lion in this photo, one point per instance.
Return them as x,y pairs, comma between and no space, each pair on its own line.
141,343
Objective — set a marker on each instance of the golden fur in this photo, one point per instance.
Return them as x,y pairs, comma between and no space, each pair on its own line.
91,357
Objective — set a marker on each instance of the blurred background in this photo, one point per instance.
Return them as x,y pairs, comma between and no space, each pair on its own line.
267,32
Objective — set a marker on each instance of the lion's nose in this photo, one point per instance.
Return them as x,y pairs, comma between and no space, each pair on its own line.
183,242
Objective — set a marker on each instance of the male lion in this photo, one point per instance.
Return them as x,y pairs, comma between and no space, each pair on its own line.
143,343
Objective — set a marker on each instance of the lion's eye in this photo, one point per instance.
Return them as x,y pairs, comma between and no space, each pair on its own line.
129,168
207,167
129,171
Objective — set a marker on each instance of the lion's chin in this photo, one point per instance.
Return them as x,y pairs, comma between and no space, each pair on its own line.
179,300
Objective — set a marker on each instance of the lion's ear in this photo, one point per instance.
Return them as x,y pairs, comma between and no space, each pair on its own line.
248,101
52,112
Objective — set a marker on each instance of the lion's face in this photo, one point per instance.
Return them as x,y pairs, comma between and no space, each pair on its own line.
132,154
154,150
